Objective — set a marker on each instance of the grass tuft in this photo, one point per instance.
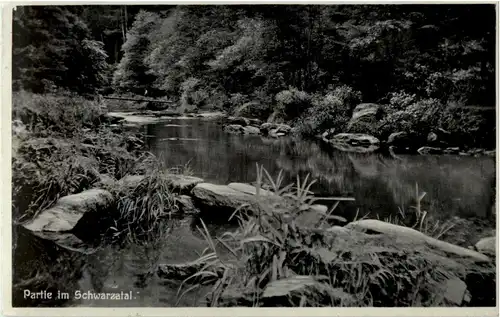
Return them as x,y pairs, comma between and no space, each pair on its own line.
276,260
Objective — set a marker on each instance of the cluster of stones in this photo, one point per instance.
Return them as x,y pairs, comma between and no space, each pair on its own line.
366,114
241,125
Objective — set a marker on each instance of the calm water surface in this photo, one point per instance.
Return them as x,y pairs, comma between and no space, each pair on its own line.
380,185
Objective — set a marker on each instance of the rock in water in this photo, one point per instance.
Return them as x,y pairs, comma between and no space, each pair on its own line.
69,210
354,142
401,232
426,150
398,139
275,134
182,183
233,128
221,196
277,127
251,130
432,137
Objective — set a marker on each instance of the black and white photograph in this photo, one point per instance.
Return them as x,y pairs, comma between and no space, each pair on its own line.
253,155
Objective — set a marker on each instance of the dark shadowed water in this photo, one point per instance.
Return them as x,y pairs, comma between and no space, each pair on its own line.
381,185
455,185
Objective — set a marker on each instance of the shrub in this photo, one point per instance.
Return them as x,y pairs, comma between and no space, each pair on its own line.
418,119
328,112
401,100
188,87
217,99
398,121
66,114
237,99
350,98
143,209
472,127
426,114
292,102
67,152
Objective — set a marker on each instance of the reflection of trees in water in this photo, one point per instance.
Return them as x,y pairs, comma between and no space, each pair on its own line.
380,184
454,185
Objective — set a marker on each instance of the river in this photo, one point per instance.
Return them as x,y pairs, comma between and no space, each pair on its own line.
382,186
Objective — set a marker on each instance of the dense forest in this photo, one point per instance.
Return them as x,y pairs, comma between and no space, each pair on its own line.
310,65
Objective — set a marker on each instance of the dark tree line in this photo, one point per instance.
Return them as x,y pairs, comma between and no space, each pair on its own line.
289,60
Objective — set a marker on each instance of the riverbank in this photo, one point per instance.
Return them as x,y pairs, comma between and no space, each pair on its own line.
76,167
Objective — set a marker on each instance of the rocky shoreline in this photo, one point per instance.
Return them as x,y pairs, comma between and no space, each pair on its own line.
397,142
92,208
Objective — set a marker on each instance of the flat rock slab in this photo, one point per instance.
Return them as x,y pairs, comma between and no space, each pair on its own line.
400,232
69,210
235,195
177,182
221,196
249,189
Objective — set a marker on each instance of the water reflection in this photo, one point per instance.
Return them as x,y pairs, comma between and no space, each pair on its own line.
129,268
454,185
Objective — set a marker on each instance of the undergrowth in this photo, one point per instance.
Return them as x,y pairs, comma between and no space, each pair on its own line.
69,148
279,261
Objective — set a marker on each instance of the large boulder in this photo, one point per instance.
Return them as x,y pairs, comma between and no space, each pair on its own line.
364,118
69,210
487,246
399,139
211,195
405,233
230,197
354,142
